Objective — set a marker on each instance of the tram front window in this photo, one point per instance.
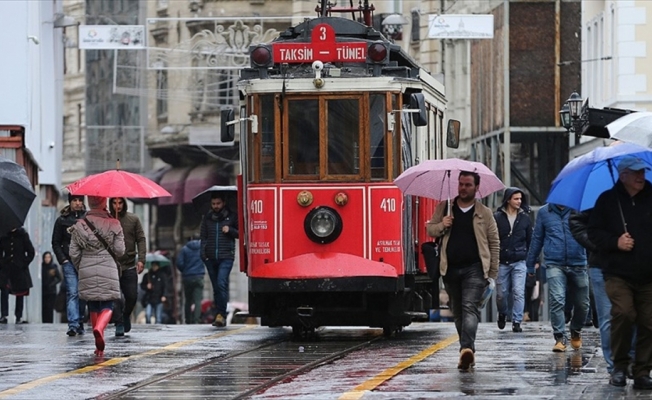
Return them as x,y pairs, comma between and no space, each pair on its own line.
303,137
343,137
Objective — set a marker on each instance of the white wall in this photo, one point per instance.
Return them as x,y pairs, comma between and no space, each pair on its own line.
31,81
13,70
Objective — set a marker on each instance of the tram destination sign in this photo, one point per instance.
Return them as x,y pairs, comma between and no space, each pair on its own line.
323,47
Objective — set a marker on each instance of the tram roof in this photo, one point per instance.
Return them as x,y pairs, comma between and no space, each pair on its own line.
347,30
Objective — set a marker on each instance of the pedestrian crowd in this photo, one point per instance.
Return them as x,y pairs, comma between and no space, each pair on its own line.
97,256
595,263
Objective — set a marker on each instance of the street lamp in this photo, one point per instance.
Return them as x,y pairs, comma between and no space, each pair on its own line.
564,115
574,105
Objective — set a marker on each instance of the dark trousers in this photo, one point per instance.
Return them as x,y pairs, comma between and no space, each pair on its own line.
631,305
218,271
47,307
129,288
193,289
465,286
4,304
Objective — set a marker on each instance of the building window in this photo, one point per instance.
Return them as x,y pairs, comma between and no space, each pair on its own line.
162,95
416,27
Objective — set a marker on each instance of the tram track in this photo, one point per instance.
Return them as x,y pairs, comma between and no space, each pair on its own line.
242,374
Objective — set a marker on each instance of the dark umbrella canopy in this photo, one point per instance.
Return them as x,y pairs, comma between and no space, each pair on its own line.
16,195
202,201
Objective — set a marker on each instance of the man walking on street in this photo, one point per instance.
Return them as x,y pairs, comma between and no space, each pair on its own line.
75,308
219,229
469,255
136,246
192,270
515,231
620,225
565,262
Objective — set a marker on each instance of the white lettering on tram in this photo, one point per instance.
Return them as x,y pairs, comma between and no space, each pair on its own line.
388,246
302,54
346,53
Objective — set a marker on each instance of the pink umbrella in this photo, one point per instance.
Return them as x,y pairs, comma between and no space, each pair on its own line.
438,179
117,183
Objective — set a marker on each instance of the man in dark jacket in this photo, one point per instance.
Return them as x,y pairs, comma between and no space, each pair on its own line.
219,229
75,308
515,231
620,225
190,264
131,262
16,253
565,262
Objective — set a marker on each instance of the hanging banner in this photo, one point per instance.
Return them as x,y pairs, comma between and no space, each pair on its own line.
112,37
462,26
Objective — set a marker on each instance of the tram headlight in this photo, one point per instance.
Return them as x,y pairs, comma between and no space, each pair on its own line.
260,56
323,225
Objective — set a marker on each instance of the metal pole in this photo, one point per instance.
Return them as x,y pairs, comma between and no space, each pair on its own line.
507,179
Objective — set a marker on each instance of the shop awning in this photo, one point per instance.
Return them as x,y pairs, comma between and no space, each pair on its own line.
173,181
201,178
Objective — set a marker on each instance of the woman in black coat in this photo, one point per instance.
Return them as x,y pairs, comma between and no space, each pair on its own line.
51,276
16,252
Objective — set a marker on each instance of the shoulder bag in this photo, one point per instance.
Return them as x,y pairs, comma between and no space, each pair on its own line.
105,244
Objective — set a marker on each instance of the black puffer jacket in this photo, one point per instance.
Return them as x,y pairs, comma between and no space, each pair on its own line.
579,227
60,234
514,242
216,245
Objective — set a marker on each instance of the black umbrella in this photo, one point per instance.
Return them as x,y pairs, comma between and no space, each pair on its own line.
16,195
202,201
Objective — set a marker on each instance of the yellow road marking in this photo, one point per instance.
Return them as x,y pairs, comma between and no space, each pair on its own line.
389,373
114,361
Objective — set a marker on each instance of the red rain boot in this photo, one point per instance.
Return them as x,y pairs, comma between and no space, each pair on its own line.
98,330
93,316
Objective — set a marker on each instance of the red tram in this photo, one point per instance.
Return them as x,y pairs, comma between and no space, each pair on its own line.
331,112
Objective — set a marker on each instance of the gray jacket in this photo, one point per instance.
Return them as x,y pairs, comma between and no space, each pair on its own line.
98,272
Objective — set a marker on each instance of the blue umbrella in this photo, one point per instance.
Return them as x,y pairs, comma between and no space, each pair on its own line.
584,179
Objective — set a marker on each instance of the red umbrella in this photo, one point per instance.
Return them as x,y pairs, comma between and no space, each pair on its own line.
117,183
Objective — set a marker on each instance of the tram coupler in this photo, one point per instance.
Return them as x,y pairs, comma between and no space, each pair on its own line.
305,312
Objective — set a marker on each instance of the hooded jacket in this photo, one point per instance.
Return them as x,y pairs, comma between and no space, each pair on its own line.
552,234
98,273
514,241
606,226
134,236
60,234
189,261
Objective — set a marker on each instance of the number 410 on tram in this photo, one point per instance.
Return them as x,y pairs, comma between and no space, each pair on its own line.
331,113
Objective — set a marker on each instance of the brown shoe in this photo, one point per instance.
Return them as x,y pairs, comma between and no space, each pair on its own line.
467,359
219,321
576,340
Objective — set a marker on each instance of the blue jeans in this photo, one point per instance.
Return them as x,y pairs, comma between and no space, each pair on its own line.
74,306
511,286
218,271
603,311
465,286
559,277
159,313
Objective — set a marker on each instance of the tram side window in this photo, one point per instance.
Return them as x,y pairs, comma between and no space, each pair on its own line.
343,137
377,116
267,168
303,137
